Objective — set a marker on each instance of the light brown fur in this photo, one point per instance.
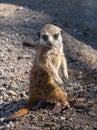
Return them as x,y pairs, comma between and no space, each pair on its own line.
44,73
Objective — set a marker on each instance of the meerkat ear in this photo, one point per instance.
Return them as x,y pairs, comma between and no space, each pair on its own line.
38,34
61,32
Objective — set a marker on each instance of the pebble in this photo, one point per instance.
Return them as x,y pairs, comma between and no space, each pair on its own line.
70,119
92,113
8,126
75,30
5,97
2,89
27,56
2,119
95,88
12,92
23,94
20,8
1,101
62,118
2,33
11,124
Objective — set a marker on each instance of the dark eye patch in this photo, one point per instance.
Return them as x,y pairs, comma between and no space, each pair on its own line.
55,36
45,37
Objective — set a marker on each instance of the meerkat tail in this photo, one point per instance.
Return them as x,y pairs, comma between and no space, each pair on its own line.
23,111
19,113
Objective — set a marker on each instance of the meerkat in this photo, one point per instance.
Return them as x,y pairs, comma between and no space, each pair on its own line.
51,34
44,73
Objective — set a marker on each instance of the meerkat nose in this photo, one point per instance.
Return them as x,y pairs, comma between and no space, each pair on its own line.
50,43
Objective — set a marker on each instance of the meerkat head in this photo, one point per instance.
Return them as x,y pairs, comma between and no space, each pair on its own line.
50,36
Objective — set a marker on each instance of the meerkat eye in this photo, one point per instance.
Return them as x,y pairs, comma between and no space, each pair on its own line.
55,36
45,37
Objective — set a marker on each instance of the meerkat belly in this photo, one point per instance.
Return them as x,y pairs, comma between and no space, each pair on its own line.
56,60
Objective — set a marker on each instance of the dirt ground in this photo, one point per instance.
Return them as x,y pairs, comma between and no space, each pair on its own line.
21,20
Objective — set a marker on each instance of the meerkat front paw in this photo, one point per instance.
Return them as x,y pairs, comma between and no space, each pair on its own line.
65,76
58,80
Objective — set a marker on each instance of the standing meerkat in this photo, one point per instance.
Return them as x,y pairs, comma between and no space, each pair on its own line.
45,72
51,36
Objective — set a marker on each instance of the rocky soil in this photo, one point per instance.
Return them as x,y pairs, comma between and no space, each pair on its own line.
21,20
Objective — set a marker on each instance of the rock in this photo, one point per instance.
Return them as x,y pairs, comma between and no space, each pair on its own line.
8,125
2,89
12,92
1,101
2,119
20,8
80,75
71,119
62,118
27,56
29,43
23,94
92,113
81,106
5,97
95,88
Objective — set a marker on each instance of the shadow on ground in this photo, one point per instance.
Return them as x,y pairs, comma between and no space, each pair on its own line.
11,107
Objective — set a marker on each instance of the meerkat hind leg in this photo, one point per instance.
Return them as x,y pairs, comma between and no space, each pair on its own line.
59,107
